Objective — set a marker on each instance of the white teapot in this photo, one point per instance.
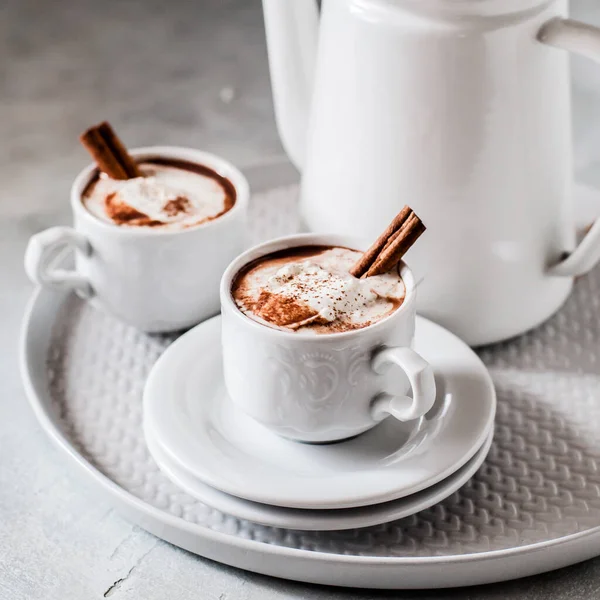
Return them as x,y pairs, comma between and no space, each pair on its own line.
459,108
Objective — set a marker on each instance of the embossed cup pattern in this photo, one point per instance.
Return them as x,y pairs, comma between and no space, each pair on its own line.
309,387
300,390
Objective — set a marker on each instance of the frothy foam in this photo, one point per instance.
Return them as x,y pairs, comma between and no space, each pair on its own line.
168,197
312,290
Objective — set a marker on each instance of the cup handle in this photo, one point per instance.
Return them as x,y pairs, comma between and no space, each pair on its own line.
43,252
582,39
420,376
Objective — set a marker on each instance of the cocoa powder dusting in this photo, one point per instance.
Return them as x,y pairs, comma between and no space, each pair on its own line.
174,207
281,311
291,311
123,214
120,212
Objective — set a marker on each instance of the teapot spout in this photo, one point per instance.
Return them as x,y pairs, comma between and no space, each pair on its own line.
291,28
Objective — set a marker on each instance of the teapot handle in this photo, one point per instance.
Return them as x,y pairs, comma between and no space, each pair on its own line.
582,39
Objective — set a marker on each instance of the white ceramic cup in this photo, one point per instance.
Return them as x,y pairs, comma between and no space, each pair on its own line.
152,279
321,388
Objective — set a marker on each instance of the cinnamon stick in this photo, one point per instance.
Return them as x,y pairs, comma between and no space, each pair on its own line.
391,245
409,233
109,152
366,261
119,150
391,240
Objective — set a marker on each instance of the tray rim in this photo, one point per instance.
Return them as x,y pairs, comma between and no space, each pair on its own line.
391,572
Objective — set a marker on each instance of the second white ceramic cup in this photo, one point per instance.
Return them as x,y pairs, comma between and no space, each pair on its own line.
154,280
322,388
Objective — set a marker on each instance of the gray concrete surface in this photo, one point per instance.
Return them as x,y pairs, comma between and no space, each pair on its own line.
182,72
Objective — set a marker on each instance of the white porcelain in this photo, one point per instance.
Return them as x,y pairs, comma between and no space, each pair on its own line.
197,425
321,388
154,280
503,524
460,109
316,520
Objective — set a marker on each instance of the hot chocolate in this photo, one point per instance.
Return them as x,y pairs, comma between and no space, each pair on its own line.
169,195
310,289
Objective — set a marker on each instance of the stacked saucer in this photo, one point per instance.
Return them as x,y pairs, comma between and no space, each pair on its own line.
228,461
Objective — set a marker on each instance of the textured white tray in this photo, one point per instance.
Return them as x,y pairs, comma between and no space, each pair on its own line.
533,506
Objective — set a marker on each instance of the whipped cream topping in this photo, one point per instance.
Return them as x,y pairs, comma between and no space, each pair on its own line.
317,292
167,196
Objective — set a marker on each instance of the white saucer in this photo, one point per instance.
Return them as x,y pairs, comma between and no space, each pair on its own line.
191,416
316,520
